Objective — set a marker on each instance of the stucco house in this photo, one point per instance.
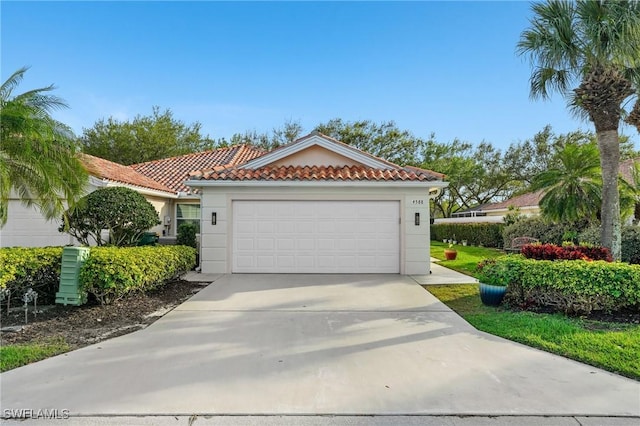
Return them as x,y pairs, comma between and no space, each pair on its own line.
160,182
315,206
526,204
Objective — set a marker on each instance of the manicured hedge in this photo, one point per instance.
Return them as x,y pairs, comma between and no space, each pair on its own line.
36,268
538,228
573,286
110,273
485,234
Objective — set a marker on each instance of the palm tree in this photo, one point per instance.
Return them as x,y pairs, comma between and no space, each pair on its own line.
594,45
573,189
38,160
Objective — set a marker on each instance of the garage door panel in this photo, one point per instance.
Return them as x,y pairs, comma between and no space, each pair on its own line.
265,261
286,244
316,236
265,244
325,244
244,261
366,261
286,261
245,244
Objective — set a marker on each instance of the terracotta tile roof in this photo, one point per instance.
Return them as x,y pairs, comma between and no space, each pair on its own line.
172,172
524,200
316,173
105,169
626,169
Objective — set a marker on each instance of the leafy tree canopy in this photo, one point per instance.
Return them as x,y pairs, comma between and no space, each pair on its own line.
146,138
384,140
289,132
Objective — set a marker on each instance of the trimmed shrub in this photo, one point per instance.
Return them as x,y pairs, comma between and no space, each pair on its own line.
123,211
485,234
187,235
536,227
573,287
110,273
630,241
565,252
24,268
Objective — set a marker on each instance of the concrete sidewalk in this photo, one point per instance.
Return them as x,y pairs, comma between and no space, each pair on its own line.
348,348
325,420
441,275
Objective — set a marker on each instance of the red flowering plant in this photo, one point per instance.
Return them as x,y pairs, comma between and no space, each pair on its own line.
567,252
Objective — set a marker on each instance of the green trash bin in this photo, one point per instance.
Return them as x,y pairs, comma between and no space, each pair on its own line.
69,292
148,239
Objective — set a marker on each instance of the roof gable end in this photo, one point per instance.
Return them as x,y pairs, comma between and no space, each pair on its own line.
317,139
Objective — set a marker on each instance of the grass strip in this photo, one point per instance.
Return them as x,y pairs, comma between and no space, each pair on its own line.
467,259
613,347
14,356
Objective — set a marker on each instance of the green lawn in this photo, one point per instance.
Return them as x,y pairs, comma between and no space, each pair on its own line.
612,346
14,356
468,257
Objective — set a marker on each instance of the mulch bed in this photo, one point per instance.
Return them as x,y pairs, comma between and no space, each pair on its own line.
91,323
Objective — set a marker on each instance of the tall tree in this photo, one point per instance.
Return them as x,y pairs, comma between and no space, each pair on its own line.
476,175
384,140
289,132
595,45
38,158
146,138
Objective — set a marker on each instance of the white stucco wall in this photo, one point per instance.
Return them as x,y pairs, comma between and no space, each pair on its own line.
216,240
26,227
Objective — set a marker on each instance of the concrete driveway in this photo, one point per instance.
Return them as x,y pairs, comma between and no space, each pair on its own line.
316,344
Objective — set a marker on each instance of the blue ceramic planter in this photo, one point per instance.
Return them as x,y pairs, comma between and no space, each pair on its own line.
492,295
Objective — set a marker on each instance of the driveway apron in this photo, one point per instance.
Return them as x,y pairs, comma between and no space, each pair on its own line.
315,344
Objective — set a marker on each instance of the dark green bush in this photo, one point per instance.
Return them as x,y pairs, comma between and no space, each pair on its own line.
536,227
572,286
631,244
122,211
187,235
37,268
485,234
110,273
630,241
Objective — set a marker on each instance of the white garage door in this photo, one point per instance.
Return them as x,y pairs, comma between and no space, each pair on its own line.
316,236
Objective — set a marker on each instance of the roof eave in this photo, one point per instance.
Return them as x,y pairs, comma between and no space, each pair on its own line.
325,183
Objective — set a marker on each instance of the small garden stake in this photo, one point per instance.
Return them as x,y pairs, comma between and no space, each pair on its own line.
29,295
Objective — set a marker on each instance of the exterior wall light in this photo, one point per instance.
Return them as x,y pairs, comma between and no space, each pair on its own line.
417,219
214,218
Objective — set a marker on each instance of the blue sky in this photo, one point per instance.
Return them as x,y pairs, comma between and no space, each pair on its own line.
443,67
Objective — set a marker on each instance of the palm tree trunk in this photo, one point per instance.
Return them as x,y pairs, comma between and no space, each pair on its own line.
610,235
